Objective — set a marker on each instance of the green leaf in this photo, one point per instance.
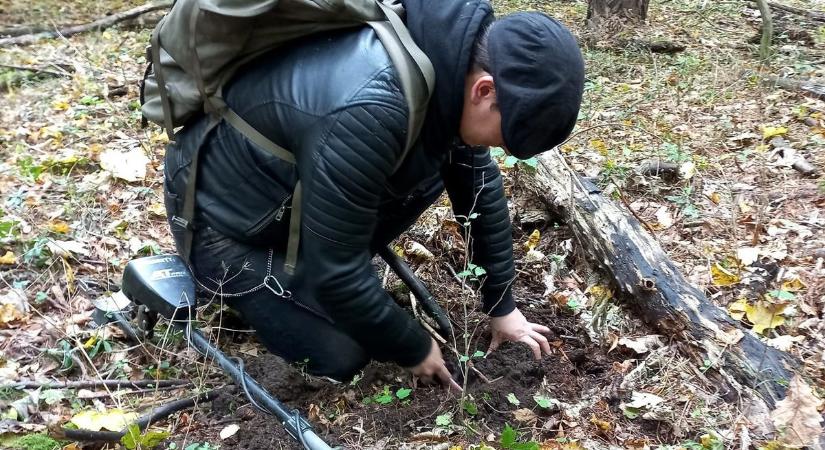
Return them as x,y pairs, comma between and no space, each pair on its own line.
152,439
473,216
508,437
630,413
513,399
478,354
403,393
444,420
463,274
385,397
470,407
131,439
52,396
497,152
510,161
463,358
479,271
531,162
542,400
782,295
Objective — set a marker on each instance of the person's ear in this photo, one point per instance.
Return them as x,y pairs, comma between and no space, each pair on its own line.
483,90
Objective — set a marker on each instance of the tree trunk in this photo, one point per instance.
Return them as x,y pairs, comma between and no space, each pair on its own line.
646,278
626,11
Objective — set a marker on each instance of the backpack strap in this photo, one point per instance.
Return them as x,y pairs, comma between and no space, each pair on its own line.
164,95
408,60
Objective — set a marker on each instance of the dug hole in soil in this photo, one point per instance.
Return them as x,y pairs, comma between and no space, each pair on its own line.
347,415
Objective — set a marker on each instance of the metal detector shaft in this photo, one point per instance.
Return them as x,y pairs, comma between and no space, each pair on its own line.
296,425
418,289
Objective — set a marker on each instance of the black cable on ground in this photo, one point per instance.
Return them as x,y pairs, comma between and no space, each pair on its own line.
154,415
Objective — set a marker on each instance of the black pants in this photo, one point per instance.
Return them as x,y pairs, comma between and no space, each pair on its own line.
251,280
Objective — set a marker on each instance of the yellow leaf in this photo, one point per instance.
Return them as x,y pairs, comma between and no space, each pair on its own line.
794,285
60,105
399,250
112,420
157,209
715,198
59,226
72,446
764,315
90,342
769,132
602,424
599,146
69,275
737,309
722,277
533,240
456,447
8,258
10,313
600,293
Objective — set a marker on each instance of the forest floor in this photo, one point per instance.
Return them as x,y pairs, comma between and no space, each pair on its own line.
81,195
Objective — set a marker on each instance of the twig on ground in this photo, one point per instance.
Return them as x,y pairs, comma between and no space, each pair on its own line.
92,384
36,70
99,24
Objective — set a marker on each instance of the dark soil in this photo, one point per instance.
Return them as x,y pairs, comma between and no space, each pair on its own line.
346,414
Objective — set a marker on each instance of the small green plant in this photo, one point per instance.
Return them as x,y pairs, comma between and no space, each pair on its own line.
444,420
510,440
543,401
510,161
403,393
469,406
685,202
135,440
162,371
472,271
782,294
384,397
476,355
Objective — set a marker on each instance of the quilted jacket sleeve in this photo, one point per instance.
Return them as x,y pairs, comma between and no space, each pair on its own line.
358,151
472,177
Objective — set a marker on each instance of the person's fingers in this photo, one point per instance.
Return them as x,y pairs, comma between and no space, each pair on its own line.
542,341
494,343
447,379
534,346
540,328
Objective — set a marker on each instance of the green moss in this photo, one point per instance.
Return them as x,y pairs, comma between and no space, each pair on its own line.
35,442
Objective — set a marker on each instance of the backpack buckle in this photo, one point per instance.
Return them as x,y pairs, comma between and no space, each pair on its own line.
183,223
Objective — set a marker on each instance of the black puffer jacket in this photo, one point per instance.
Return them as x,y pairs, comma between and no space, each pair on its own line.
339,108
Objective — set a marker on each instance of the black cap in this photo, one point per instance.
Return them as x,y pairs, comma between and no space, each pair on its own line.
538,72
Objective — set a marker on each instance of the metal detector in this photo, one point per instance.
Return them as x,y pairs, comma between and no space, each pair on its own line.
163,286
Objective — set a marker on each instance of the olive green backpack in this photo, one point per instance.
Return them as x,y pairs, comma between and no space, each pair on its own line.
197,47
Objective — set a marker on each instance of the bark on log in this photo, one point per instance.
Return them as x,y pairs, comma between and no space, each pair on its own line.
647,279
99,24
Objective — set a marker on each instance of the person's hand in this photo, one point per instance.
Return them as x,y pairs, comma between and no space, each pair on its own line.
434,369
514,327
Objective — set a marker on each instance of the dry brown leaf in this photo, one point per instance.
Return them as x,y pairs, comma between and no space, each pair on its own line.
524,415
796,416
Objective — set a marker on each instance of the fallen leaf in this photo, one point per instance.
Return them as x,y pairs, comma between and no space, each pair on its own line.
8,259
532,240
764,315
229,431
784,342
127,165
112,420
64,249
664,218
687,170
793,285
721,276
797,416
534,256
715,197
747,255
644,400
59,226
599,146
524,415
601,424
770,131
157,209
642,344
14,307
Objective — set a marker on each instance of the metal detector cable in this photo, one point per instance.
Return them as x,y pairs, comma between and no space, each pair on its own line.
296,417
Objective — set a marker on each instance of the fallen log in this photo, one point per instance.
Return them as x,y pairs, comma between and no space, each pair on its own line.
99,24
804,87
650,282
